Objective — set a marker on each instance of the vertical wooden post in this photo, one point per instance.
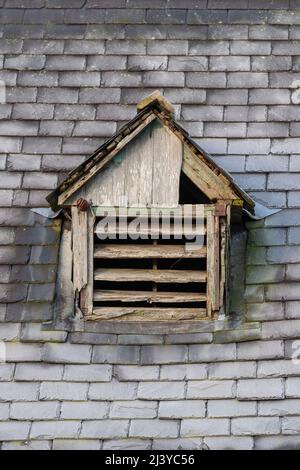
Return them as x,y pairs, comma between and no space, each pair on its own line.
79,233
223,253
213,262
87,293
83,247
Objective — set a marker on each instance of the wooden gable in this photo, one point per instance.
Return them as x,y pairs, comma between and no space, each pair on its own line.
144,173
141,166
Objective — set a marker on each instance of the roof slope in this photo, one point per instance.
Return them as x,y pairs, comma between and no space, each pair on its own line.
153,107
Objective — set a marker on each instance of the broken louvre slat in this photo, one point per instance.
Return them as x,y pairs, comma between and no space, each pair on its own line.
146,314
159,275
147,296
137,251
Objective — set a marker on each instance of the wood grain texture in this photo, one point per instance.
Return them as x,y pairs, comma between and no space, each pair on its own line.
80,250
146,314
223,249
148,296
151,275
95,169
179,212
144,172
86,294
139,251
204,178
137,229
213,262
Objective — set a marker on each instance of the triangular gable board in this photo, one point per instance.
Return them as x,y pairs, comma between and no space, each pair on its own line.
144,173
141,165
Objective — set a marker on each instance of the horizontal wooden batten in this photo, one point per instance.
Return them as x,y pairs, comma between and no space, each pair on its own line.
147,296
146,314
184,211
149,275
165,232
148,251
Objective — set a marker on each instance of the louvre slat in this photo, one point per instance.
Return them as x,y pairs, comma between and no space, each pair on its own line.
148,251
144,231
157,275
147,296
146,314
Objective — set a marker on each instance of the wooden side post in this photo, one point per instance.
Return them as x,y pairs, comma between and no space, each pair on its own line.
87,293
83,247
79,229
213,263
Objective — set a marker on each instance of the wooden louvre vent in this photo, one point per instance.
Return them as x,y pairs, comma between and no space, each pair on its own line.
150,272
151,216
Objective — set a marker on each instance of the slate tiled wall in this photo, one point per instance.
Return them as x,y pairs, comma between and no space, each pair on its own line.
73,72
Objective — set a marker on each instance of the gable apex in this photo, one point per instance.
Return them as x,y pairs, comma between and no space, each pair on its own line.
156,98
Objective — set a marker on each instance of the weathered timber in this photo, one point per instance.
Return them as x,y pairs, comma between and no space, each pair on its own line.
98,165
86,294
144,173
151,275
204,178
213,262
156,98
167,154
146,314
184,211
226,188
80,248
138,251
148,296
237,194
223,249
140,229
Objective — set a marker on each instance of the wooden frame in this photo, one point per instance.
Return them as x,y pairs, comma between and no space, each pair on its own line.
213,263
84,274
139,172
83,255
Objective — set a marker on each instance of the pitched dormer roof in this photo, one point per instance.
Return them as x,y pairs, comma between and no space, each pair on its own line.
199,166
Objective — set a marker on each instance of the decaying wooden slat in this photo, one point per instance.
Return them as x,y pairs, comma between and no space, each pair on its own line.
80,262
147,251
213,263
146,314
148,296
86,294
151,275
